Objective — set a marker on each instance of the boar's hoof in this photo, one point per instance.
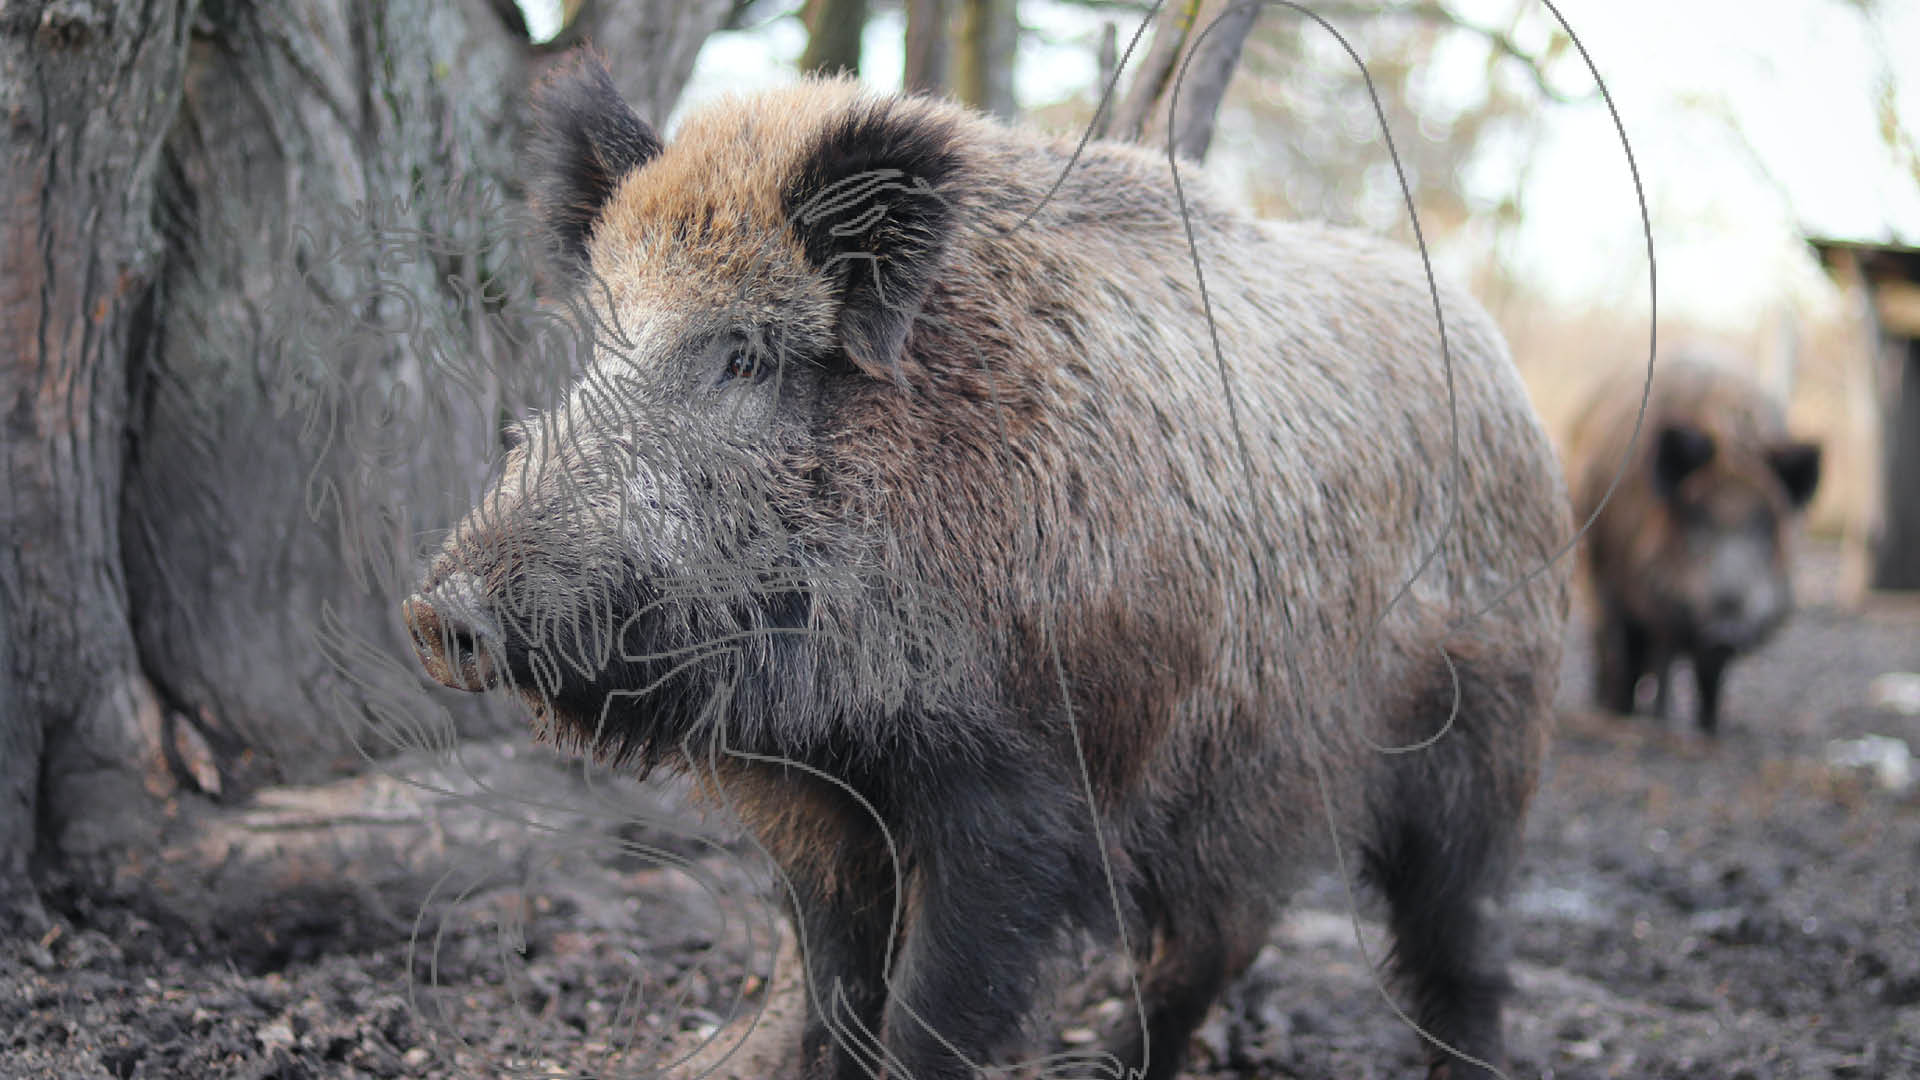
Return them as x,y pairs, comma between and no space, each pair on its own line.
454,639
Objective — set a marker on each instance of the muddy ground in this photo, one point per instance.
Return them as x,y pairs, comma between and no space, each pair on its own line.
1719,910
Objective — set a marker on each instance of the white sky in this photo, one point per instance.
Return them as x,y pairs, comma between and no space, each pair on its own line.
1795,74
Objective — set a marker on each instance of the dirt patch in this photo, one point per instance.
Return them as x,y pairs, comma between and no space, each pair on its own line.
1738,908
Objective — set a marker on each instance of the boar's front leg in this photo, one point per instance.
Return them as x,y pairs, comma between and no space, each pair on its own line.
1621,645
1215,940
840,879
1662,664
844,917
1709,669
1004,864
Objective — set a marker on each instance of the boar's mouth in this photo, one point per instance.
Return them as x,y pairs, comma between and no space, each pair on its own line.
466,642
1733,635
453,636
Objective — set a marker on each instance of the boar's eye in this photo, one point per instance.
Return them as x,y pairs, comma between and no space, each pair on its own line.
744,364
1797,464
1678,451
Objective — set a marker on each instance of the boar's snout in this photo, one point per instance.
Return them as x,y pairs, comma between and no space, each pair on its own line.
455,640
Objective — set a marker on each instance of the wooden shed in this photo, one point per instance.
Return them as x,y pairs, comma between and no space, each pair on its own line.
1886,278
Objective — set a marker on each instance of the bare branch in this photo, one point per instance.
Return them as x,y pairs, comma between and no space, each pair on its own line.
1501,41
1220,28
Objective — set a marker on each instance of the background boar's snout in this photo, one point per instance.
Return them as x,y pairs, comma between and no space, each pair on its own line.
1729,605
454,639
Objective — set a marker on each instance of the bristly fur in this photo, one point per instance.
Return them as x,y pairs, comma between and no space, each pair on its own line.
586,139
900,464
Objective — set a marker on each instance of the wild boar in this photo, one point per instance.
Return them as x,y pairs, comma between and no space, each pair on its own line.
1691,557
908,506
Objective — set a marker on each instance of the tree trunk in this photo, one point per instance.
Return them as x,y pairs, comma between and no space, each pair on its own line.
1200,77
89,91
1187,67
929,25
833,36
650,46
1107,59
275,488
266,303
987,39
1897,554
1149,80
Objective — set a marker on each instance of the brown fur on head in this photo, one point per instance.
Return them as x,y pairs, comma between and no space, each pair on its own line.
904,484
832,230
1692,552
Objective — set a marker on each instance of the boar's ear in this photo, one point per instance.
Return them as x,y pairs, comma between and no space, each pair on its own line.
1797,464
585,140
867,207
1678,450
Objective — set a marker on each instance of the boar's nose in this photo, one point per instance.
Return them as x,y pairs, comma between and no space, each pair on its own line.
454,638
1729,605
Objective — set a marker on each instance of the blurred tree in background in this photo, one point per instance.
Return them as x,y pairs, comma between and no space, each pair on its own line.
1293,102
834,29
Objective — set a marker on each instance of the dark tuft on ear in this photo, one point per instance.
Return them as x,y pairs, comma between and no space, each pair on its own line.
1797,464
1678,450
585,140
869,208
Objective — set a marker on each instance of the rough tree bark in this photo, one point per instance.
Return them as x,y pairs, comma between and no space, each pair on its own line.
257,275
650,46
259,492
89,92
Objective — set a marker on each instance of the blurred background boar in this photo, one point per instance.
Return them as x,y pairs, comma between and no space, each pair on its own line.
904,507
1691,556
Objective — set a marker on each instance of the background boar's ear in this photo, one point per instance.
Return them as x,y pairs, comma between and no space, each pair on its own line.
1678,450
585,140
1797,464
867,207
